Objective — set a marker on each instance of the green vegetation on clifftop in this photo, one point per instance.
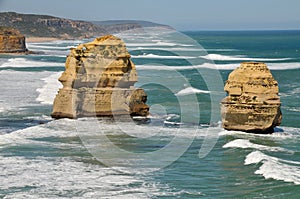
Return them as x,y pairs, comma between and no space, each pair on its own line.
32,25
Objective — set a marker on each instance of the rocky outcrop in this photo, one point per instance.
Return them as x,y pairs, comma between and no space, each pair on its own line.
252,104
11,41
99,81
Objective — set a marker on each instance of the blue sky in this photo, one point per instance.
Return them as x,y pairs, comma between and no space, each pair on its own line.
181,14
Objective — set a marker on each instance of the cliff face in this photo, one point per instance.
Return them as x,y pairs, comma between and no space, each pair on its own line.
252,104
48,26
98,81
11,41
120,27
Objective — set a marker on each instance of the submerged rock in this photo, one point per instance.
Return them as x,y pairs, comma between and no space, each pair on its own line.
12,41
252,104
99,81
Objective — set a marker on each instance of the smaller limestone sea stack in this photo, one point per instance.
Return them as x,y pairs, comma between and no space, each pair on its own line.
12,41
252,104
99,81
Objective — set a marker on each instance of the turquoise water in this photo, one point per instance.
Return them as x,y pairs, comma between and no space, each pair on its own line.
183,75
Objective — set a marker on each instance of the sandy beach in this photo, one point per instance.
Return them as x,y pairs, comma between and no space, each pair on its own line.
41,39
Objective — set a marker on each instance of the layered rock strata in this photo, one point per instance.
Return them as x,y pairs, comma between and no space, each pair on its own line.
99,81
12,41
252,104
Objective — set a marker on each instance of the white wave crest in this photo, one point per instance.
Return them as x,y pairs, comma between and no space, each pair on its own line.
191,90
166,49
294,109
218,57
161,56
159,43
164,67
271,66
23,62
48,91
2,109
281,132
246,144
275,168
180,49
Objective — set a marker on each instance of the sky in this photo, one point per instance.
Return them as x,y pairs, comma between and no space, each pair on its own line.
180,14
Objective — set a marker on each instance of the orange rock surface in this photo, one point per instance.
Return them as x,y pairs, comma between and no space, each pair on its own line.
99,81
11,41
252,104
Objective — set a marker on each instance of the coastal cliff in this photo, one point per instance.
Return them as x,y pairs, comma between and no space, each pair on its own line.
99,81
47,26
252,104
32,25
12,41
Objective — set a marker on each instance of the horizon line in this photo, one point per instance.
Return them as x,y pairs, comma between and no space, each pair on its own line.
162,23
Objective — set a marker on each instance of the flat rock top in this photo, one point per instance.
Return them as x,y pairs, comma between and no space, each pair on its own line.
249,70
107,46
252,78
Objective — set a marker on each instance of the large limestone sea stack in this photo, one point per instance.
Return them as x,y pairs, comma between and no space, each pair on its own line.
12,41
252,104
99,81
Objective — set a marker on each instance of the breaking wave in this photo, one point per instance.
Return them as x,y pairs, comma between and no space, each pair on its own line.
271,66
246,144
159,43
218,57
48,91
275,168
23,63
153,56
191,90
180,49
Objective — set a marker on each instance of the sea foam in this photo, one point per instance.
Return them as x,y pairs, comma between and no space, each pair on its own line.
175,49
23,62
18,88
64,165
218,57
246,144
159,43
48,91
280,133
275,168
191,90
271,66
153,56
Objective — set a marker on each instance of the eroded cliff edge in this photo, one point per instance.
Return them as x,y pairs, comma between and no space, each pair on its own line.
99,81
253,103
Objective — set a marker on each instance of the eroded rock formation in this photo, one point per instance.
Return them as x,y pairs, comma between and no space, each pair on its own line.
11,41
252,104
98,81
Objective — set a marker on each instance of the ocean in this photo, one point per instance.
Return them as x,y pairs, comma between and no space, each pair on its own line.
180,151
